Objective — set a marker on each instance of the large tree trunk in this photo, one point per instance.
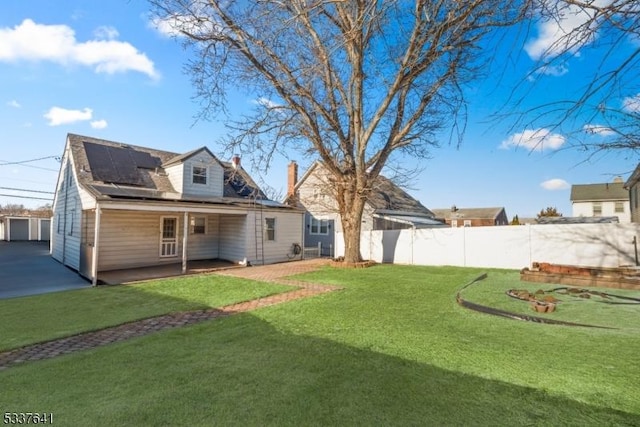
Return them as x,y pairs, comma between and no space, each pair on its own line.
351,207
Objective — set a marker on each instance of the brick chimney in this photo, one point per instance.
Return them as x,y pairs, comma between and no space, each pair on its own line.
292,180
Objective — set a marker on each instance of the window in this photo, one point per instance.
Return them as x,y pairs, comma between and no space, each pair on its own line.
200,175
619,207
467,223
597,208
270,228
198,225
454,222
318,226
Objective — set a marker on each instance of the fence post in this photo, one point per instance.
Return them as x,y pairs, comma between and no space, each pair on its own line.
319,249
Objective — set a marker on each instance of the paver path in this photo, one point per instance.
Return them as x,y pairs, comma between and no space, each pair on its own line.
88,340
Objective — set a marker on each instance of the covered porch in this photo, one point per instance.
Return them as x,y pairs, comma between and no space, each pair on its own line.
130,275
124,242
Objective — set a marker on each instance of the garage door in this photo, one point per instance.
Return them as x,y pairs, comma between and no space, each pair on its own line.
18,229
45,229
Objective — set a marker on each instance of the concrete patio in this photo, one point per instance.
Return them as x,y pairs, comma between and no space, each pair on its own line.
129,275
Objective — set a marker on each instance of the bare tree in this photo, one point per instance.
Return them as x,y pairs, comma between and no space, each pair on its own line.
353,83
605,114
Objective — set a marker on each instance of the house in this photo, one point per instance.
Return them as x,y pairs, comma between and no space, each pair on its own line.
598,200
472,217
121,206
631,186
387,208
19,228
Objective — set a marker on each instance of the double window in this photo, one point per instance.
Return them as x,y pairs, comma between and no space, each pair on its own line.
619,207
200,175
318,226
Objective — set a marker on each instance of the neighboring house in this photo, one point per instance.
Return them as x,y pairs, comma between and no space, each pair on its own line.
601,200
631,186
121,206
19,228
387,208
472,217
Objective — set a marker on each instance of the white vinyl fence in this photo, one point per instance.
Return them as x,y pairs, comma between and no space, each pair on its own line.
597,245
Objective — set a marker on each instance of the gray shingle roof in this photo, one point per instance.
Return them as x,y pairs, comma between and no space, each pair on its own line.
145,180
599,192
468,213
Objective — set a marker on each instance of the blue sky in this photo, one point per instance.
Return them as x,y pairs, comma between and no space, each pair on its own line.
101,69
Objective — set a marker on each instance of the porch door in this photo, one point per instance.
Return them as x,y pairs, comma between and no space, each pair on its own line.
169,236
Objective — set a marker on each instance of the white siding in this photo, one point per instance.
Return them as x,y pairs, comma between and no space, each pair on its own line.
181,176
288,231
175,174
608,209
132,239
215,176
65,233
205,246
233,237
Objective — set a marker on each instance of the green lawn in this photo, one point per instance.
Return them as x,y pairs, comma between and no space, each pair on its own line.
43,317
392,348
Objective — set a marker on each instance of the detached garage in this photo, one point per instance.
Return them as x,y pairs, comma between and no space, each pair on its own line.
16,228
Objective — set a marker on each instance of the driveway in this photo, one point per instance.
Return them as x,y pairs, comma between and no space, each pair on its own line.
26,268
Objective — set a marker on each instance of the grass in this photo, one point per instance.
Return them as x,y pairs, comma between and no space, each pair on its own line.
44,317
392,348
492,292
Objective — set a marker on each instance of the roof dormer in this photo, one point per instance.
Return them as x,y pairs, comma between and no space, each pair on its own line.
197,173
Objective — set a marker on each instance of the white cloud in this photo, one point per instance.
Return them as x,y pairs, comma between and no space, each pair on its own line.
553,70
60,116
99,124
30,41
631,104
13,103
197,23
106,33
534,140
555,184
265,102
598,130
553,34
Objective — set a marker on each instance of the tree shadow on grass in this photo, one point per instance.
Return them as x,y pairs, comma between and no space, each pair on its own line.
242,370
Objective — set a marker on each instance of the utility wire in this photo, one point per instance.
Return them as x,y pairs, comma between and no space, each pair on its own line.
27,197
28,161
22,163
24,189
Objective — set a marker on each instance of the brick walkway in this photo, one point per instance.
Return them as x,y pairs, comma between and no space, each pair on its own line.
88,340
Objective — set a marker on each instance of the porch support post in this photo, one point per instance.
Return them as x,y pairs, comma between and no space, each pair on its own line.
185,233
96,245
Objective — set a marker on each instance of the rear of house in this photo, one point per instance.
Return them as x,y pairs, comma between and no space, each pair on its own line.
119,206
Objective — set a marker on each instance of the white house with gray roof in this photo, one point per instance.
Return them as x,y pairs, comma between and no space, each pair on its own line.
609,199
121,206
388,207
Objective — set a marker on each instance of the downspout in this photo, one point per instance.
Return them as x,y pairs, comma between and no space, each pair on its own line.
96,245
185,232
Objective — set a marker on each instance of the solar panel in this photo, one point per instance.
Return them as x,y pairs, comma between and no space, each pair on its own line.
100,162
145,160
116,164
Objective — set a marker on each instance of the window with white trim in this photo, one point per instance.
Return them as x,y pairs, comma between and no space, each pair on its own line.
467,223
597,208
270,229
198,225
619,207
318,226
199,174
